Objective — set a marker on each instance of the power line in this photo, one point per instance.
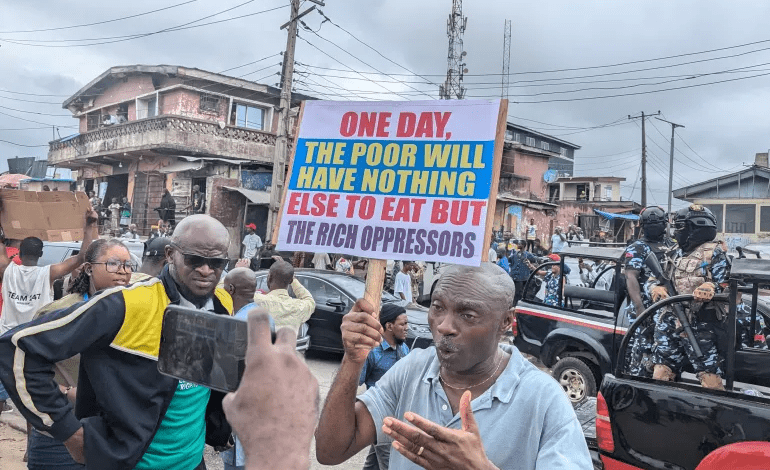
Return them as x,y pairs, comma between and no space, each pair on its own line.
21,145
640,92
36,122
344,65
34,112
368,65
99,22
114,39
24,128
28,101
377,52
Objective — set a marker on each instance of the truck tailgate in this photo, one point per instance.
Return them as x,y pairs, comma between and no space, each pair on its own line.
675,425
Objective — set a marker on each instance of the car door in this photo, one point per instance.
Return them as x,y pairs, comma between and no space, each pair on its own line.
331,304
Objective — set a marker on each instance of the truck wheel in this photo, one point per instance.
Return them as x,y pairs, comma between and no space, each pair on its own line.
576,378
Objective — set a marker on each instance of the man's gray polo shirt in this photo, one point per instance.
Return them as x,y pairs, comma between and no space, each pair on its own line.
525,420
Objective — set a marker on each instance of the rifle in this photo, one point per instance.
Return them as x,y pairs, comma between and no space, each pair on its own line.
651,261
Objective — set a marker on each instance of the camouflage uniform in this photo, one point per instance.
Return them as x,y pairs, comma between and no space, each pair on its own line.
743,326
706,263
639,351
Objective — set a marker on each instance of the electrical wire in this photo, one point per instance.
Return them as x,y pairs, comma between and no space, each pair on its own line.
22,145
345,65
639,92
114,39
98,22
35,122
369,65
34,112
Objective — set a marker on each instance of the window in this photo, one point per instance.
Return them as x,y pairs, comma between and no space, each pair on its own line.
608,193
209,103
563,151
545,146
249,116
718,210
739,218
93,120
764,219
508,135
582,191
146,107
531,142
516,137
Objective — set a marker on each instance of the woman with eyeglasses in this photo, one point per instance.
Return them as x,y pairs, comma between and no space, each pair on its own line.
107,264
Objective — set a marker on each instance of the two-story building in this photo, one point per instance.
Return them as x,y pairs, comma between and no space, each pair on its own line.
143,129
529,164
740,201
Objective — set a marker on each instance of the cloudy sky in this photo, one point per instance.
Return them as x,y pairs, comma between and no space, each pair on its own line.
578,68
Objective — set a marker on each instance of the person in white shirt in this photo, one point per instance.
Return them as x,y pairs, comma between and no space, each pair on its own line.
27,287
344,266
403,285
251,242
558,240
285,310
131,233
321,261
492,255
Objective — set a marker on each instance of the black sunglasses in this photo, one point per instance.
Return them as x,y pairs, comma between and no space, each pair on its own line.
196,261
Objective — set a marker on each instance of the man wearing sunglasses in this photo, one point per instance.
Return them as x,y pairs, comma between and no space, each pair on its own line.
127,415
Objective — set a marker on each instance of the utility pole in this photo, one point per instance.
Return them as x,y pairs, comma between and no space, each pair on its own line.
644,156
506,58
455,27
282,138
670,165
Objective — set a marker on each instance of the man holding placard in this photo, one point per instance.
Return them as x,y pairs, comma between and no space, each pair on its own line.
468,402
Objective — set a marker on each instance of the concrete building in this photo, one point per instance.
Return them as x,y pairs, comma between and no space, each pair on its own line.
143,129
740,201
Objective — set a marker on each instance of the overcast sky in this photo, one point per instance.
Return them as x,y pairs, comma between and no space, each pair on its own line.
725,123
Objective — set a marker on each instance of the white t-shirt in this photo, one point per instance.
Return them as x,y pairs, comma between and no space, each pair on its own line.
557,243
531,232
403,284
321,260
252,242
25,290
492,255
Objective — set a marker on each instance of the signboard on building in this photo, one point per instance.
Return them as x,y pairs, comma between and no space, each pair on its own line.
395,180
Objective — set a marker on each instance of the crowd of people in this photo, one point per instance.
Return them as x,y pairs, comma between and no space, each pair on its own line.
82,369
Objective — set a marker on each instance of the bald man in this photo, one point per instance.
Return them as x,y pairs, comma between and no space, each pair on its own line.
127,414
462,400
287,311
241,284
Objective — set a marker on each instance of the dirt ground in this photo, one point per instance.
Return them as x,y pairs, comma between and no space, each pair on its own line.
12,445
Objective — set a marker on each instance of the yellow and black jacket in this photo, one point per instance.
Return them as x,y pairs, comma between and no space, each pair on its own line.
122,398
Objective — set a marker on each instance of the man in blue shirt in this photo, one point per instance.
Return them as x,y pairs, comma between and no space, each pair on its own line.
519,417
522,262
380,360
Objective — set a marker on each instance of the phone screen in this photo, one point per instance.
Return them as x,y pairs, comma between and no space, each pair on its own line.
203,348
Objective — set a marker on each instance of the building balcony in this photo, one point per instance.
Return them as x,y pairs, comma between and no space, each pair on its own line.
168,135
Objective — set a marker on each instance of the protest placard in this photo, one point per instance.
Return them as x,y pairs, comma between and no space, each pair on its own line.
395,180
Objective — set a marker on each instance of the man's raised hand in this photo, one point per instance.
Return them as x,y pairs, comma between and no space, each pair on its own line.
361,331
434,447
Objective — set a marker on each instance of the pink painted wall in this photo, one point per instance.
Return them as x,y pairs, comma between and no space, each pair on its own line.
134,86
187,103
532,167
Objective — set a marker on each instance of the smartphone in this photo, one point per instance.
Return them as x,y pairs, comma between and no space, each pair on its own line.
204,348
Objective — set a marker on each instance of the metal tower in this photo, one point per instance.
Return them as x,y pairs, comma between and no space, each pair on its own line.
452,87
506,58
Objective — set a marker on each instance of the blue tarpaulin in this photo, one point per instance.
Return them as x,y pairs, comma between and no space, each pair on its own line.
611,216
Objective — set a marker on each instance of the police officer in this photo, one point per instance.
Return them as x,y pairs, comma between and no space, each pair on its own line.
653,224
700,268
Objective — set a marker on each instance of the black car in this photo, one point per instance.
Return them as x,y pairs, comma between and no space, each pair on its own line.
334,294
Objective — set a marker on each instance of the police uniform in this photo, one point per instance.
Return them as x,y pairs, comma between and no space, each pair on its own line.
653,223
639,352
706,263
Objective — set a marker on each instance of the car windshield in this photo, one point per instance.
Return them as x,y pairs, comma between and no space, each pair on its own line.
355,287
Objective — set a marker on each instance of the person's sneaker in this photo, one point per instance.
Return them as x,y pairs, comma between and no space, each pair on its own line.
7,407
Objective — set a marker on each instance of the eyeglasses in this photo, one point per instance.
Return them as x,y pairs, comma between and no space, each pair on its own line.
196,261
113,265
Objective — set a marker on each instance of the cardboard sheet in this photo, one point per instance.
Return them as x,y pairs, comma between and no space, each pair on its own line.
49,215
